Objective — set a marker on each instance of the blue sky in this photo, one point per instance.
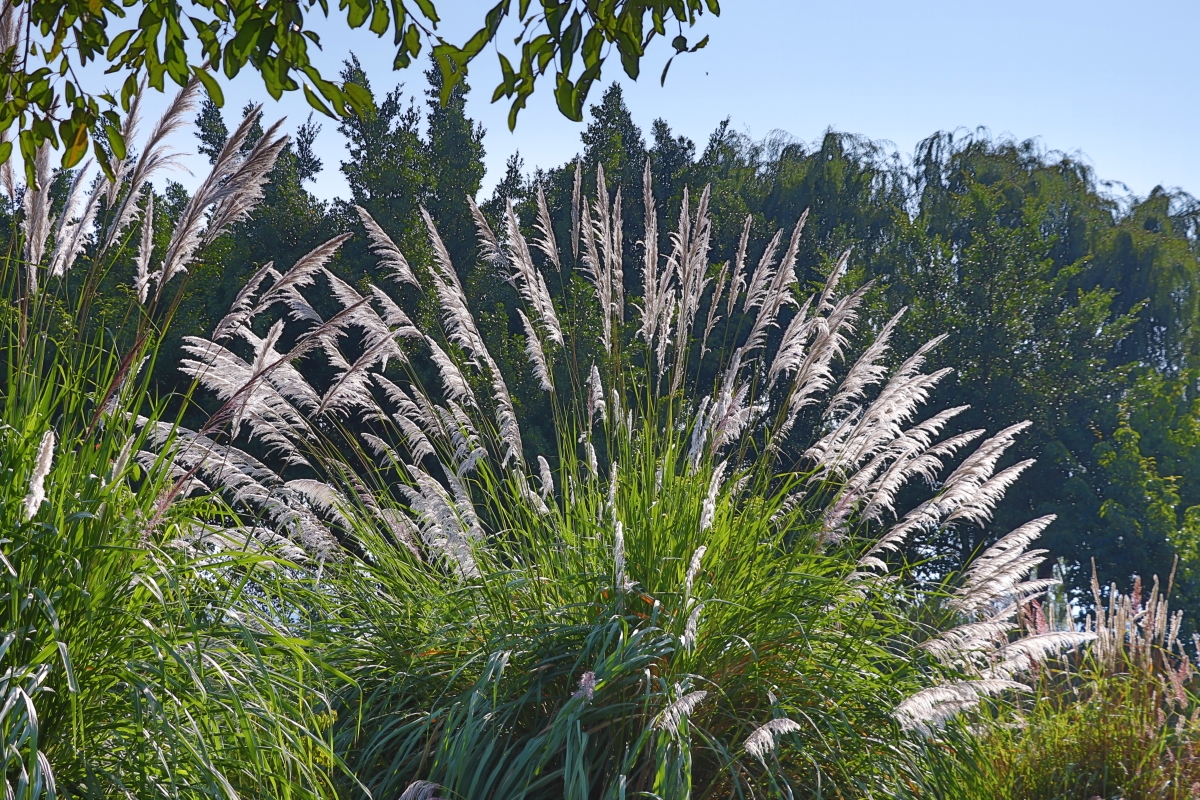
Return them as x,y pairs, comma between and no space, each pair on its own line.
1111,83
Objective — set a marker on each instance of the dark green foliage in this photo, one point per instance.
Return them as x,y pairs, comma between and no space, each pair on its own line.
211,129
388,168
456,148
307,163
613,141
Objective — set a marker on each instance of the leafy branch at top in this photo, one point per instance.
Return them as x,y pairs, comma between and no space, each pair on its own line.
43,42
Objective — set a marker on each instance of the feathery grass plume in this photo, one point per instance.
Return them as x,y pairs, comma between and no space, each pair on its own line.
738,281
546,477
673,715
774,290
545,228
933,707
762,741
232,189
694,569
587,685
155,157
349,388
410,418
420,790
709,509
595,263
242,310
576,204
867,370
143,276
537,356
284,289
714,304
688,640
608,233
790,355
74,225
489,245
528,278
37,480
444,528
1119,719
455,385
652,291
456,315
1000,569
246,183
36,224
121,167
620,581
689,262
386,251
254,399
596,404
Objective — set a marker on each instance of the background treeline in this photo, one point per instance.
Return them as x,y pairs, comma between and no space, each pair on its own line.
1064,304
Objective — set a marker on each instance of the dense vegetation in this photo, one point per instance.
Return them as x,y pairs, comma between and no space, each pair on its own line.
669,490
1065,305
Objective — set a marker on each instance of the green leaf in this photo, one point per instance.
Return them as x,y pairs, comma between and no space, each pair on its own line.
75,135
115,141
429,11
380,19
211,86
360,99
452,61
315,101
663,80
128,90
409,48
357,12
6,149
72,684
119,43
102,158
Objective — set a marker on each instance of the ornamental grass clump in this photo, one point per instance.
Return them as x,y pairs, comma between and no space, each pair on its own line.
129,666
699,590
1119,720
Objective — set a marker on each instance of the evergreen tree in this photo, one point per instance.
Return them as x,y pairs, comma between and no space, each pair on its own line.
513,186
211,130
387,165
308,165
456,148
613,140
671,160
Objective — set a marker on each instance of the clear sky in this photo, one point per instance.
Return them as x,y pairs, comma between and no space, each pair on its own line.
1113,83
